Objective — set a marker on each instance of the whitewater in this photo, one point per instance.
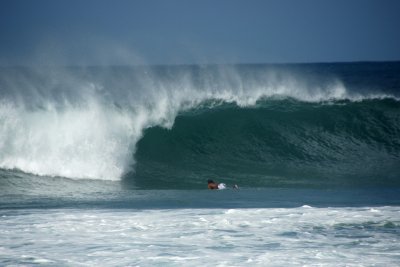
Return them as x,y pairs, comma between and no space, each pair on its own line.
109,165
219,237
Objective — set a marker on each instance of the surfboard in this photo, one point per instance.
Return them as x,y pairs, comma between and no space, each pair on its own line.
221,186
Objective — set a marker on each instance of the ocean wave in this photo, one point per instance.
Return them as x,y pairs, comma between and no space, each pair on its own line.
86,123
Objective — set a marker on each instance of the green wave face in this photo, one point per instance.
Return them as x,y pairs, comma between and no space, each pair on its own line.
285,143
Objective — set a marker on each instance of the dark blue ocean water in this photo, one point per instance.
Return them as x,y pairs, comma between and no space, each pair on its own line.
23,191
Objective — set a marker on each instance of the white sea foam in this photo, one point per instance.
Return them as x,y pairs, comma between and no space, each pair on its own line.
76,142
203,237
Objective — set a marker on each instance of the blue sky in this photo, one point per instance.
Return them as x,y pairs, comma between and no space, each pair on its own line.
92,32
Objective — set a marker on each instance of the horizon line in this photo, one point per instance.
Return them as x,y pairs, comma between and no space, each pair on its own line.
199,64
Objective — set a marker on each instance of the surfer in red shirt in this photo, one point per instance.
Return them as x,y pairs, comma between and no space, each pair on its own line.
212,184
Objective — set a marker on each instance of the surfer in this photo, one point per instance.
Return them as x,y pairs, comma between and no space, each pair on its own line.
214,185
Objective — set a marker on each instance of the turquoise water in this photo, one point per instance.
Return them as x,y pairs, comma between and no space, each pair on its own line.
279,143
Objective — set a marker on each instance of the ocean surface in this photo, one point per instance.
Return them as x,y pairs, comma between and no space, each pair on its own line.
108,166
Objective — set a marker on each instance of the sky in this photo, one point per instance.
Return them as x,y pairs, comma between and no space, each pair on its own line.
137,32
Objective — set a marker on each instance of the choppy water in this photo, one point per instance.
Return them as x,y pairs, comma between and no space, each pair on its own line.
206,237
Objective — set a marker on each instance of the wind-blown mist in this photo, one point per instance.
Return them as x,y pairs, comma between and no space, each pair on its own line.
86,122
